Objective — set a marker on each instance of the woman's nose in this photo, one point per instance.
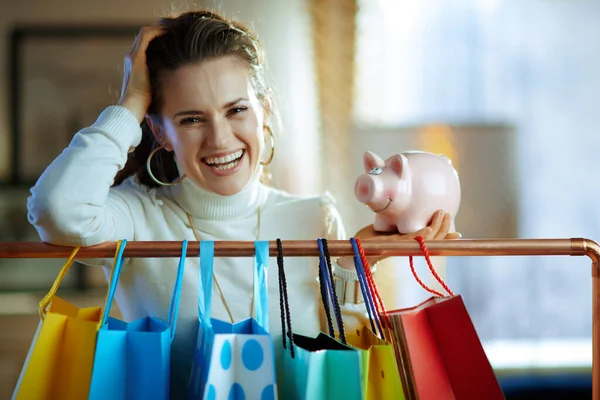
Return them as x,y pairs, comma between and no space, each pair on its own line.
219,134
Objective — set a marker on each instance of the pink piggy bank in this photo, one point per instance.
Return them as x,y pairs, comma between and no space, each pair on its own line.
405,190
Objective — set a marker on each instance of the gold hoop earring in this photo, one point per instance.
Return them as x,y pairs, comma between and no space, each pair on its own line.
272,140
149,169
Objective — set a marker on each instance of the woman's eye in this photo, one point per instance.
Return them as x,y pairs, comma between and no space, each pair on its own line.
190,120
237,110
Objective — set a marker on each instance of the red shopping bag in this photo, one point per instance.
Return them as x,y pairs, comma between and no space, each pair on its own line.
438,351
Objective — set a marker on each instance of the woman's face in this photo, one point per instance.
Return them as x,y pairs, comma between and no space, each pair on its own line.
213,121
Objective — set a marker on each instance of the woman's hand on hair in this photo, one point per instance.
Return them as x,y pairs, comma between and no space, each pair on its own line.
136,93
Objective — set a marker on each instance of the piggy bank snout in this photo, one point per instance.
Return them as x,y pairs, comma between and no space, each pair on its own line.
367,188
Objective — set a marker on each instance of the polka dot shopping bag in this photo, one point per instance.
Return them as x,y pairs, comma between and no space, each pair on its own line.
233,361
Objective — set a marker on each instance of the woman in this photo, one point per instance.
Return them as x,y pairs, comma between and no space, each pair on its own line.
194,104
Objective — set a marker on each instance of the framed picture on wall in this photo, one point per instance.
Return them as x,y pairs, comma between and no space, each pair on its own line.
61,78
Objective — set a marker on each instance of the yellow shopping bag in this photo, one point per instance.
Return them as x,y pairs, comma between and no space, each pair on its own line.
381,379
381,376
61,355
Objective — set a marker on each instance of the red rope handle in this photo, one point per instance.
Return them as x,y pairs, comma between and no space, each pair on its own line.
423,285
372,285
431,268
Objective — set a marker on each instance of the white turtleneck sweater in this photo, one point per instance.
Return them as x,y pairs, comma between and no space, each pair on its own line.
73,204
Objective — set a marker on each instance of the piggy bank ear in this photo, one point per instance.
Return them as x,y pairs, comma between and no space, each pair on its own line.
372,160
396,163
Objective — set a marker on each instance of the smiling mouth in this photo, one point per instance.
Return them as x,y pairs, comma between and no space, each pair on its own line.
226,162
386,206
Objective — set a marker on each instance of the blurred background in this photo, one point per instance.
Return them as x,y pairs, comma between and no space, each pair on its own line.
507,89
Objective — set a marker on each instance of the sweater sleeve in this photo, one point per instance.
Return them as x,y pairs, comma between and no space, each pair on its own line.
72,202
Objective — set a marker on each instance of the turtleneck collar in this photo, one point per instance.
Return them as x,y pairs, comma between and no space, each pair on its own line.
203,204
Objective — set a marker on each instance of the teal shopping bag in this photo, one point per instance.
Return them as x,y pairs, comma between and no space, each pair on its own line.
233,361
133,359
321,367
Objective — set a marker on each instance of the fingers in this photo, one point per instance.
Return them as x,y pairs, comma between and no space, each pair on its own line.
436,220
147,35
426,233
438,229
444,227
143,39
453,235
135,42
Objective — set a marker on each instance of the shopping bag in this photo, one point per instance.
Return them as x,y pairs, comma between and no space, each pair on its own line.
133,359
61,355
233,361
322,367
381,377
439,350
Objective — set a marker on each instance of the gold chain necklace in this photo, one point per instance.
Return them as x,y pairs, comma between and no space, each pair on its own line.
191,221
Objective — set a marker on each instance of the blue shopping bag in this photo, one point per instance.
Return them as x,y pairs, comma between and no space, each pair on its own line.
133,358
233,361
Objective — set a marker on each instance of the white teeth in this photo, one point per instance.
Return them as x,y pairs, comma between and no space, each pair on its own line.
226,166
227,160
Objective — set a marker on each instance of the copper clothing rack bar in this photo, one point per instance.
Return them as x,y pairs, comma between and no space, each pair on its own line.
308,248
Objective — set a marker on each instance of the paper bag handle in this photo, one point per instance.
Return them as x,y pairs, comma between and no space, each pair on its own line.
176,297
284,302
207,258
431,268
326,282
261,292
379,305
261,263
366,292
43,305
114,279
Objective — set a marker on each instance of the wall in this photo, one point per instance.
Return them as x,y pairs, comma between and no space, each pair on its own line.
282,26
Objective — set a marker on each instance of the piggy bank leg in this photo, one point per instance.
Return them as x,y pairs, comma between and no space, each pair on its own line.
383,225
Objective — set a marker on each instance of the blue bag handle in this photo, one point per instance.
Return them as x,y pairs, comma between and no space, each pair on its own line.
364,287
114,280
325,288
207,258
261,292
327,275
176,297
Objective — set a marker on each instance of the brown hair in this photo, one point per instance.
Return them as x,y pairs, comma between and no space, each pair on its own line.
190,38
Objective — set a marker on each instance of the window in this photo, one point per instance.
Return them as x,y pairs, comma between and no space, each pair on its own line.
533,67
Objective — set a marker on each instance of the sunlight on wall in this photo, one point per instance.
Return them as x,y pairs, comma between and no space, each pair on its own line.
439,139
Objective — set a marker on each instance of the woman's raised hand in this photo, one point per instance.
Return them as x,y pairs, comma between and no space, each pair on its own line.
136,94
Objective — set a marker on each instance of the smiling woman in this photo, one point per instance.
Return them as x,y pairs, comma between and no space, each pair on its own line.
212,119
180,157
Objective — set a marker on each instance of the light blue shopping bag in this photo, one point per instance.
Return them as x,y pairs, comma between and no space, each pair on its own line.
321,367
233,361
133,359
